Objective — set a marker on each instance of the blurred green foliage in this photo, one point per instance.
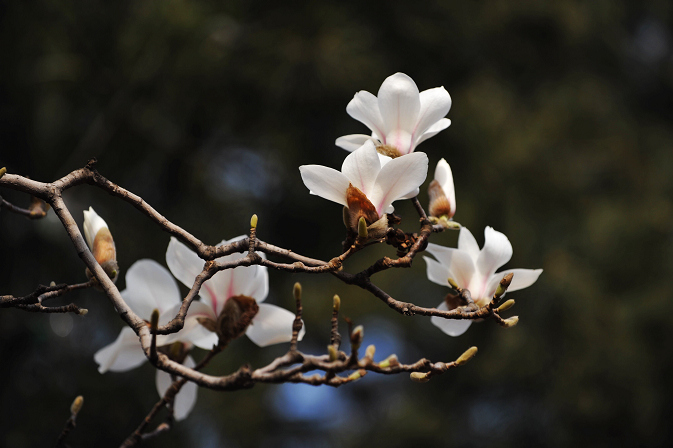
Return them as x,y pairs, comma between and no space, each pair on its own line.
561,139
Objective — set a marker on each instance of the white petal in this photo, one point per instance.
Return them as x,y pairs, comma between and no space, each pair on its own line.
272,325
399,104
411,194
460,264
352,142
364,107
497,251
92,225
444,176
362,166
452,327
186,398
398,178
434,130
192,331
437,272
326,182
523,278
251,281
184,264
148,286
123,354
435,104
468,243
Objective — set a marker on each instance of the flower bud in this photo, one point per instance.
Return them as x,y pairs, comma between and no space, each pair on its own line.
356,337
390,361
154,319
357,375
419,377
332,351
440,206
362,228
100,241
503,285
369,353
76,405
512,321
296,291
3,170
465,357
83,312
453,283
336,303
505,306
253,221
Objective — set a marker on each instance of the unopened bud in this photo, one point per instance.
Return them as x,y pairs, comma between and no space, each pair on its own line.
176,350
82,311
362,228
296,291
369,353
419,377
356,337
512,321
453,283
505,306
504,284
154,320
465,357
390,361
76,405
3,170
357,375
347,217
336,303
253,221
52,284
331,350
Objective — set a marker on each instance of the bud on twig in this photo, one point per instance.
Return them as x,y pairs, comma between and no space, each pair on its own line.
453,284
356,337
154,320
331,350
296,291
357,375
419,377
512,321
336,303
76,405
3,170
390,361
369,353
505,306
503,285
253,221
362,228
465,357
83,312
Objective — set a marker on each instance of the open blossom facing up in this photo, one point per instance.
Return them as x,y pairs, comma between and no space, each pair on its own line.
442,193
150,286
400,118
363,185
100,241
230,300
474,269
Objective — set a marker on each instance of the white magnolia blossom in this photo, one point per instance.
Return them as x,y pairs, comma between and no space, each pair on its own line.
474,269
442,201
150,286
93,224
397,179
400,116
271,325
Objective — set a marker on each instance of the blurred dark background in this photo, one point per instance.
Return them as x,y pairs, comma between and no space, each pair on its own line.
561,139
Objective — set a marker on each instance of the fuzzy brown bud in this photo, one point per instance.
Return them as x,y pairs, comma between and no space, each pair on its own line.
356,337
439,203
512,321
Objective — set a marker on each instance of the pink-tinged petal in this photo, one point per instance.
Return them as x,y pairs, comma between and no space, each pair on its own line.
459,263
398,178
452,327
435,104
184,264
92,225
272,325
352,142
497,251
401,139
437,272
123,354
523,278
467,243
399,104
186,398
325,182
364,107
444,176
433,130
362,166
148,286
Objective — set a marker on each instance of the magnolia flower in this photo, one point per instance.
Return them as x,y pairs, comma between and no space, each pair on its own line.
400,117
474,269
363,185
229,300
150,286
442,193
100,241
